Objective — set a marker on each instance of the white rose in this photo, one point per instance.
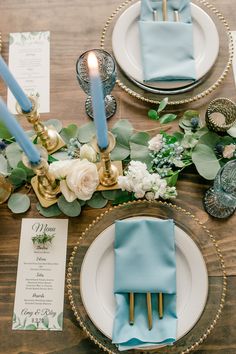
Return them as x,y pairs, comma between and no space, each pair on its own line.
68,194
83,179
60,169
156,143
87,152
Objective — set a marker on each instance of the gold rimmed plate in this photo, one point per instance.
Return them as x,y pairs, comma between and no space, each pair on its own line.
189,227
211,81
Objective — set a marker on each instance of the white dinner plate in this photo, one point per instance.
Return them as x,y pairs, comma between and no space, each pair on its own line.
97,276
126,45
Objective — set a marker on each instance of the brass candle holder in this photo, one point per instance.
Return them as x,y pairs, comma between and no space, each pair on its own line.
48,137
108,170
45,186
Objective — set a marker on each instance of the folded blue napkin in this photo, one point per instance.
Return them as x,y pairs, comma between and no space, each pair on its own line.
144,262
166,46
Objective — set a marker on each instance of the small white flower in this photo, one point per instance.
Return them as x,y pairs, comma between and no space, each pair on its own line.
156,143
150,196
142,183
87,152
60,169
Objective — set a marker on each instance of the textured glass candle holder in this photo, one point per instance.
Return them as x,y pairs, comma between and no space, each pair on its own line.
221,115
107,71
220,200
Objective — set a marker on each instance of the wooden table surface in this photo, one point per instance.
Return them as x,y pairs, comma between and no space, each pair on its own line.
75,26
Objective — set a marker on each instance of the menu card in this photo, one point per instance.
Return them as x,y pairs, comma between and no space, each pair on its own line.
39,296
29,62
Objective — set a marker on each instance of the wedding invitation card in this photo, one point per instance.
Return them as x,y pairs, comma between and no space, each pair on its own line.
39,296
29,62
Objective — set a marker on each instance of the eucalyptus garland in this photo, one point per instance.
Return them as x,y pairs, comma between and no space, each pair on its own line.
164,154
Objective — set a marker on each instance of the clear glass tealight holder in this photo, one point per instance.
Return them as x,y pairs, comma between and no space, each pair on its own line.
220,200
107,71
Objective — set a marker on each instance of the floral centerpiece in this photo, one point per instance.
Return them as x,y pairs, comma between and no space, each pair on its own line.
151,164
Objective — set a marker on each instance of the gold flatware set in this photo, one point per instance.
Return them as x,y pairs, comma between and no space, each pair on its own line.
165,13
160,304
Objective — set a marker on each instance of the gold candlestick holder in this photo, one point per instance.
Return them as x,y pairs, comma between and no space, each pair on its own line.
48,137
45,186
108,170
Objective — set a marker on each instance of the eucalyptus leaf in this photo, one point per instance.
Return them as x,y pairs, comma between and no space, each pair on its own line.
179,136
172,180
68,133
72,209
82,202
123,131
13,154
18,176
86,132
111,195
123,197
205,161
162,104
55,123
120,152
167,118
4,133
189,141
140,138
210,139
30,173
152,114
18,203
191,114
141,153
53,210
4,168
97,201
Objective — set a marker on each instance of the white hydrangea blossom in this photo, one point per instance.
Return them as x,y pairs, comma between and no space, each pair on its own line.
144,184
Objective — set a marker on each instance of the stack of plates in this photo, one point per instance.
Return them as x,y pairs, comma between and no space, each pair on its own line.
126,49
97,281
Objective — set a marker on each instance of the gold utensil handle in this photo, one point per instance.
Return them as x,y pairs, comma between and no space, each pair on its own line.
164,10
149,310
160,305
131,309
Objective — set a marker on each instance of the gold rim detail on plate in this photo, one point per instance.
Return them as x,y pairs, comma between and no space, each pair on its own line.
174,207
199,96
0,42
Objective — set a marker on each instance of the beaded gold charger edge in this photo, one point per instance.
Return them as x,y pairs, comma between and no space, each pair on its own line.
195,229
213,79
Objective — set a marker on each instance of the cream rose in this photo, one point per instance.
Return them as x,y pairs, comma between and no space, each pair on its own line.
87,152
60,169
83,179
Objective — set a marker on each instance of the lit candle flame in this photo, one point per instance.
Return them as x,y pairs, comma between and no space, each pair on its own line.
92,64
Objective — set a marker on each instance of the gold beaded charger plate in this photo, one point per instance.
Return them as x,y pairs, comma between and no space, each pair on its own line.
201,88
185,221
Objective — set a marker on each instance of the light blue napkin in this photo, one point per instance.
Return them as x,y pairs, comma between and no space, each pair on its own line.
144,262
166,46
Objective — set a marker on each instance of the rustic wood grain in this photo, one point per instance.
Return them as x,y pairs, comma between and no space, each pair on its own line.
76,26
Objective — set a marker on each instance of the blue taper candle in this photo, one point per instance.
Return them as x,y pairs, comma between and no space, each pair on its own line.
99,114
15,88
18,133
